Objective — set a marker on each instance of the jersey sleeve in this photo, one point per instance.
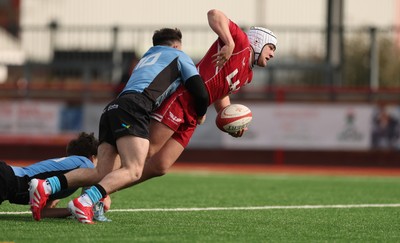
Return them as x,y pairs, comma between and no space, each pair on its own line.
186,67
238,35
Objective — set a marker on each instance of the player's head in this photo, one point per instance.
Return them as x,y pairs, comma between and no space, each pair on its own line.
84,145
167,37
259,37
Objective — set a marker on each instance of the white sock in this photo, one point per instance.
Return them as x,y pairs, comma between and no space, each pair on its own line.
85,200
47,187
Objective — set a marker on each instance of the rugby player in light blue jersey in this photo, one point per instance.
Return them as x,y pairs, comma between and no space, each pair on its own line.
14,180
124,126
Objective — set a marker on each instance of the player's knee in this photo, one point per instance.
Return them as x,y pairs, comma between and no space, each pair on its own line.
134,173
160,170
157,173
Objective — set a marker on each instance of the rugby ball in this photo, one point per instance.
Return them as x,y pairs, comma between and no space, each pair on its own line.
233,118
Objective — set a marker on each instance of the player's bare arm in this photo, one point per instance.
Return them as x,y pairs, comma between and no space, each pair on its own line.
219,23
222,103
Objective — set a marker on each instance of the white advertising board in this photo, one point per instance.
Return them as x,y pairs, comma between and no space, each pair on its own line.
29,117
306,126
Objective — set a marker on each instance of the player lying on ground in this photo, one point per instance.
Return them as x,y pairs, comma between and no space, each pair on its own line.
124,126
81,153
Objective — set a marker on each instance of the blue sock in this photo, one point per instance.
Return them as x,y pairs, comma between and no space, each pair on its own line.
54,183
94,194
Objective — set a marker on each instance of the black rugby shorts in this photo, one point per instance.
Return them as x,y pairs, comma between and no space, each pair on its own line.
126,115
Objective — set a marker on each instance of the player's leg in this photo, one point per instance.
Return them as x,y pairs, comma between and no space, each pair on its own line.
82,207
87,177
159,135
8,187
159,164
133,152
107,158
40,190
163,152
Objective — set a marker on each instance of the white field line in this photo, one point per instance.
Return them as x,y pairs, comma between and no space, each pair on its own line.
396,205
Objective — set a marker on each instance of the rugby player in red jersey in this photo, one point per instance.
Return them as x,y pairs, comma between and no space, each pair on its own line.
226,67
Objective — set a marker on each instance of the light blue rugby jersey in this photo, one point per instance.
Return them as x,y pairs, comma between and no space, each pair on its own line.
159,73
53,166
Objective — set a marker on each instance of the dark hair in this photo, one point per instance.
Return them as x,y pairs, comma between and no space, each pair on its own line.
166,36
85,145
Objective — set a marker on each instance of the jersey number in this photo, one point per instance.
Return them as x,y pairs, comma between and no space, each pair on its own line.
233,86
149,60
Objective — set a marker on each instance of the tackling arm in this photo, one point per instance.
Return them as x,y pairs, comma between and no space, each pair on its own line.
196,87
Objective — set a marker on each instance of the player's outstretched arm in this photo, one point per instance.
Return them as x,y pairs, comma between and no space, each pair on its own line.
219,23
55,213
50,210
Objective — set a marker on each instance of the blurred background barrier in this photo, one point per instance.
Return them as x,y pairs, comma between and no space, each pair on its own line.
95,59
300,126
293,133
336,50
334,84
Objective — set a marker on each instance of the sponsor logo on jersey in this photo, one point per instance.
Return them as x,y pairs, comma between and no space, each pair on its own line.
126,126
174,118
112,107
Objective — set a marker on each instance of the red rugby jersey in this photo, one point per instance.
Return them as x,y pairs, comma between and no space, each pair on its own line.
235,73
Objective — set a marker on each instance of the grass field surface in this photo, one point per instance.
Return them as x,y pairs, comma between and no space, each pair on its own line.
223,207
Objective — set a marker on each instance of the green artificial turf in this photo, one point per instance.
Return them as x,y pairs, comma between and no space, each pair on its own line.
212,207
